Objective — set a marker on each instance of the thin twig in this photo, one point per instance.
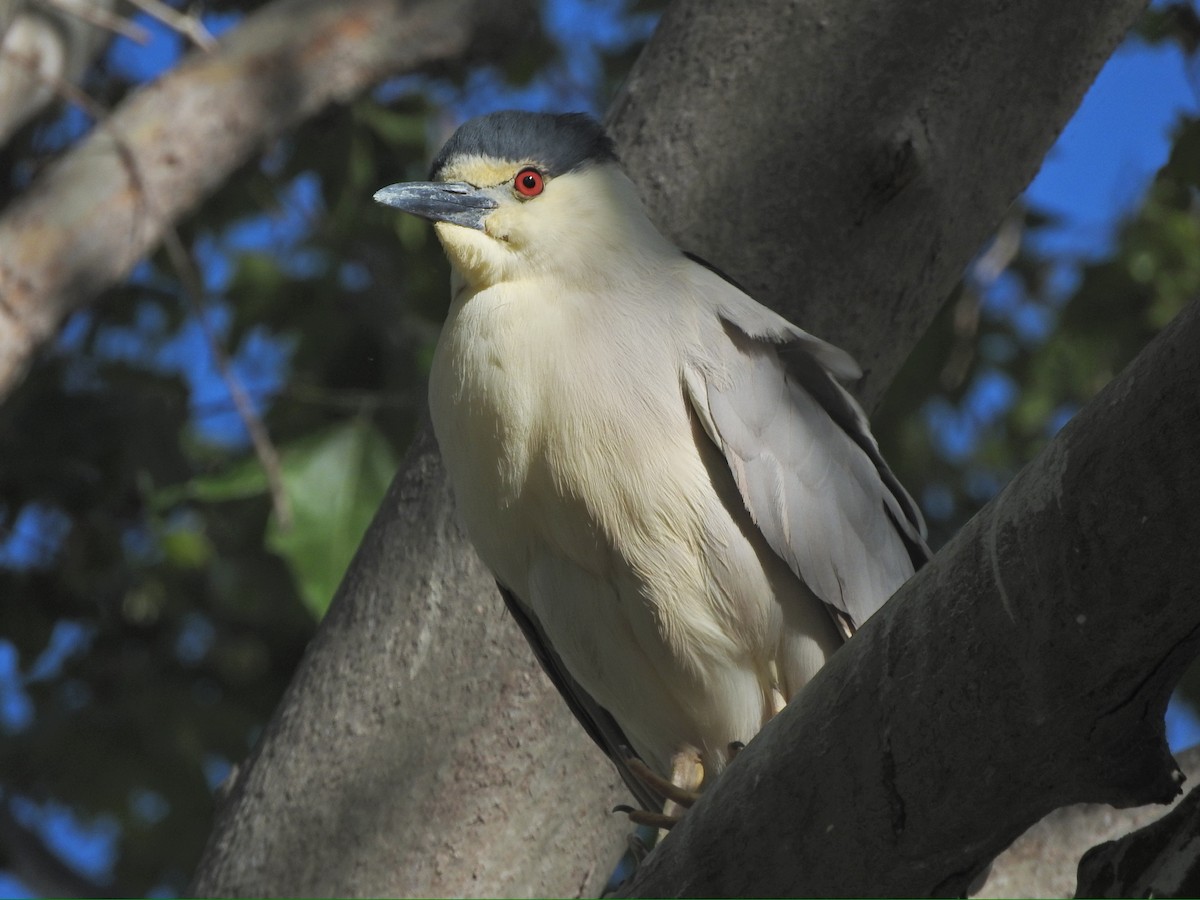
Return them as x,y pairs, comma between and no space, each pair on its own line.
352,401
193,290
62,87
1003,250
986,270
189,26
268,456
102,18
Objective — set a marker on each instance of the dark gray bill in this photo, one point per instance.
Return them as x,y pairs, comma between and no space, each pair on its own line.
452,201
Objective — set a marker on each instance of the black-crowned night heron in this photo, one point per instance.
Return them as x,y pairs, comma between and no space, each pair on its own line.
685,510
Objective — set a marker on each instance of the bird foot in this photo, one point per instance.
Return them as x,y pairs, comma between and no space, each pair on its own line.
658,820
679,791
679,788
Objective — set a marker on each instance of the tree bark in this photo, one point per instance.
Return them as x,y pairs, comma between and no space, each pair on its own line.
844,161
84,224
419,750
1028,666
1159,860
41,47
366,771
1044,861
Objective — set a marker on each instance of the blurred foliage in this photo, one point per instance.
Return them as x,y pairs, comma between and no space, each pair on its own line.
986,366
159,607
1030,338
157,604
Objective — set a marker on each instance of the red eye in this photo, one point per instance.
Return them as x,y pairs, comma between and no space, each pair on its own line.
529,182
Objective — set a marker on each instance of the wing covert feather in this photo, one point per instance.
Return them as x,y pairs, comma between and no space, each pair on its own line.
806,464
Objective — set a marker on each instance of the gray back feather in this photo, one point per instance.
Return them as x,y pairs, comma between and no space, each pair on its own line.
804,459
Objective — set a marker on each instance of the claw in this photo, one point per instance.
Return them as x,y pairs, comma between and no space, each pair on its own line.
668,789
653,819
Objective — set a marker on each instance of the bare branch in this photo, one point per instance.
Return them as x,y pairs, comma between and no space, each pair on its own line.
1044,861
85,222
189,26
1159,860
1028,666
99,16
260,438
194,293
378,753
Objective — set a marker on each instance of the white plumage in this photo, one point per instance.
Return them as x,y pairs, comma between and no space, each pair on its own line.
682,503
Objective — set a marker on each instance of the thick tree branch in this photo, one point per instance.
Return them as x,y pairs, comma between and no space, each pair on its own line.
843,160
365,751
1027,667
44,46
1044,861
419,750
1159,860
84,224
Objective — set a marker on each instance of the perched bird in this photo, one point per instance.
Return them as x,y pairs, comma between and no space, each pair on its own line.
685,510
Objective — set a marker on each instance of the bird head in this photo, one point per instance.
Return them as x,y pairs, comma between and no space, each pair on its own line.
517,195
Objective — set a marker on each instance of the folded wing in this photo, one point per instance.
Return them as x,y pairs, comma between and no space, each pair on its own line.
804,459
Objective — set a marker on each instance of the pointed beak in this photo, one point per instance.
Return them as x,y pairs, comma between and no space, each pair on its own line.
453,201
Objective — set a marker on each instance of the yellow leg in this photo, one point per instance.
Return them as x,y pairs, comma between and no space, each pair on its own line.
687,774
681,791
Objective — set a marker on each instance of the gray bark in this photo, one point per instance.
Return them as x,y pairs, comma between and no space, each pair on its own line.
844,160
1027,667
1159,860
1044,861
84,224
419,750
41,47
894,138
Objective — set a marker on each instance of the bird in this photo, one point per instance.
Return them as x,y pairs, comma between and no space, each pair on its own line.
681,502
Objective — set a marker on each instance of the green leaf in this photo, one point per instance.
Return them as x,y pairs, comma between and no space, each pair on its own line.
239,481
334,483
188,548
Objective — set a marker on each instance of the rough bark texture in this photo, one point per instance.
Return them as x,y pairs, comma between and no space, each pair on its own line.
419,750
1044,861
372,807
843,161
1027,667
1159,860
41,44
95,213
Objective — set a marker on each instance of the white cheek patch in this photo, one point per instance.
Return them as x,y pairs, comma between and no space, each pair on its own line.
496,226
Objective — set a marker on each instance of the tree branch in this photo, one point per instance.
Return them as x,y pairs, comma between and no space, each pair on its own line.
1159,860
845,161
1044,861
423,773
84,224
419,750
1028,666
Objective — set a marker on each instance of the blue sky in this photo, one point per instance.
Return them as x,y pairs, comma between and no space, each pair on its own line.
1096,173
1104,159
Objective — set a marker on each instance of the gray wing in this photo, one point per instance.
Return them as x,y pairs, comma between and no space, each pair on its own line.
804,459
595,719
